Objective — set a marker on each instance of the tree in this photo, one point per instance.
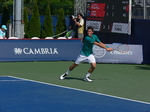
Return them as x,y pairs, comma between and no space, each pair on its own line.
34,24
6,2
26,22
54,2
47,28
6,16
61,26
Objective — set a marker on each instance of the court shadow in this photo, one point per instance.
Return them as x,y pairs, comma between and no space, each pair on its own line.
74,78
82,79
142,68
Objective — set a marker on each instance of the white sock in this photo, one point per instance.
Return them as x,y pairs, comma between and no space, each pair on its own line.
88,74
67,72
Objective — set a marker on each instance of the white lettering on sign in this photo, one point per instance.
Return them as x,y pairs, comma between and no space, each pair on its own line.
36,51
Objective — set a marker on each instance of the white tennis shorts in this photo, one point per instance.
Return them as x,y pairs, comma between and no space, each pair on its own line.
90,58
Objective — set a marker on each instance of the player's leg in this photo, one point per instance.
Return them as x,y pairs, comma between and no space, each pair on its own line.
79,59
92,62
67,72
92,68
73,66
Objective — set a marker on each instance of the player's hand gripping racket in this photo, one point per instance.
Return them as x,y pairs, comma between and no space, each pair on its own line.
123,48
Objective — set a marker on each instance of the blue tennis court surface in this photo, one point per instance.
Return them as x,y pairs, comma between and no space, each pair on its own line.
20,95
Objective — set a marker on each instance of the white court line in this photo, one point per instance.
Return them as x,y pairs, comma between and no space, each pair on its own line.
9,80
82,90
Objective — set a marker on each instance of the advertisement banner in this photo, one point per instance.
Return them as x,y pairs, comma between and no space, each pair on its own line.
134,55
63,50
39,50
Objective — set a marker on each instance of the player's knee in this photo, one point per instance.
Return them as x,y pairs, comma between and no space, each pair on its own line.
93,66
75,65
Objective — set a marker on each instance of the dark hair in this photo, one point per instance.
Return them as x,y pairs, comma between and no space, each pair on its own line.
71,17
80,14
91,28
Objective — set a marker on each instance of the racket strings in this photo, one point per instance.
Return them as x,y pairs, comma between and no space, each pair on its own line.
123,48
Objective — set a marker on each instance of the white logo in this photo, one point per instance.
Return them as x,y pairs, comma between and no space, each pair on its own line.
28,51
18,50
121,53
98,52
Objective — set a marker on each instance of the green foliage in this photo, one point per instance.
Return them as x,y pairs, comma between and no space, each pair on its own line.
6,16
26,22
27,1
34,24
55,2
133,2
47,28
6,2
37,8
61,26
67,5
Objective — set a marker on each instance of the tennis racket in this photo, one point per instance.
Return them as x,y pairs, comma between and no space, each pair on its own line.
123,48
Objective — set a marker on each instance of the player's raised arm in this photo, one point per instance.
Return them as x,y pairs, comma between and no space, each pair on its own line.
100,44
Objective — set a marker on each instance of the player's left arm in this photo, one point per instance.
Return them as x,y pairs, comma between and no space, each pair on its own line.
100,44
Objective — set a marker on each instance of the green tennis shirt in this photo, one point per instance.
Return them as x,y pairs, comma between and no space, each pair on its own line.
88,44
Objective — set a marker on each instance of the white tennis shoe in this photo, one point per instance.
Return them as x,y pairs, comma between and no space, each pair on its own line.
63,76
87,79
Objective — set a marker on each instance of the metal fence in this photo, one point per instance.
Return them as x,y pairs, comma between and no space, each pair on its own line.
141,9
80,7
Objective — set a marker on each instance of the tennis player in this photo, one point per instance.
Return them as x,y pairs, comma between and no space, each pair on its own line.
87,53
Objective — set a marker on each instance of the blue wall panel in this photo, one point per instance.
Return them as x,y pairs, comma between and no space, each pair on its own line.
39,50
